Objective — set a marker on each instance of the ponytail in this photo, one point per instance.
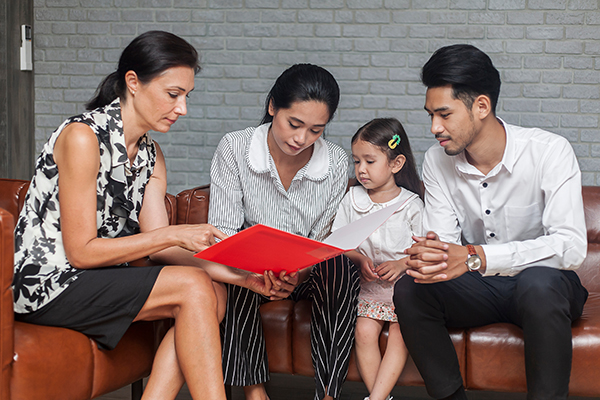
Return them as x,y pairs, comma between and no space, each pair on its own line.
108,90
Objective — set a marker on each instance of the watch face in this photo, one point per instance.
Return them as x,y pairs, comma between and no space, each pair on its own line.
474,263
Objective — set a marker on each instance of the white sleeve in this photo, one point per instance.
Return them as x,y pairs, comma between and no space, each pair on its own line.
415,217
226,209
564,244
439,215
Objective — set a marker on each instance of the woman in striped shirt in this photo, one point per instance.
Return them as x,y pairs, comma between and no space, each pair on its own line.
285,175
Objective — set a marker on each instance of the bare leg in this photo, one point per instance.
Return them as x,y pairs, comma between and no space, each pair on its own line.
256,392
166,378
391,365
221,292
191,350
368,356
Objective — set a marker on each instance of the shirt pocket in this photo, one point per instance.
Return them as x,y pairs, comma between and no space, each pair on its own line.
524,223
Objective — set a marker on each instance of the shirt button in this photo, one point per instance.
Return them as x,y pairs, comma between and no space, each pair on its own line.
487,212
492,234
484,184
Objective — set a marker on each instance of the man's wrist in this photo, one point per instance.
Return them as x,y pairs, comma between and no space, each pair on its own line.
481,254
475,260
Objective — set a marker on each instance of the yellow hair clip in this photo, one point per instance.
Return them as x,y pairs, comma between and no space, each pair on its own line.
394,142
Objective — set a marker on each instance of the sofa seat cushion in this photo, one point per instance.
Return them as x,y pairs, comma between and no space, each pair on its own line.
496,362
131,360
57,363
51,363
277,319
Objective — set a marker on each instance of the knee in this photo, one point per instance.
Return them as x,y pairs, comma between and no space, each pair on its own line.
541,290
365,335
404,292
537,283
196,288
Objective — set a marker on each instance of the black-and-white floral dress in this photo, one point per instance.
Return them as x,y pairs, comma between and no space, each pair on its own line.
42,271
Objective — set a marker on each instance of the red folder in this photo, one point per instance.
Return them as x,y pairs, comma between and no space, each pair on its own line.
261,248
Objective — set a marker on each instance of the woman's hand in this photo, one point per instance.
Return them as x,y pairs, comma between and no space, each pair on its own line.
270,286
197,237
284,285
391,270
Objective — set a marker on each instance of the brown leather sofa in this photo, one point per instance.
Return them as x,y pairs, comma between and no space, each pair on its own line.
491,357
53,363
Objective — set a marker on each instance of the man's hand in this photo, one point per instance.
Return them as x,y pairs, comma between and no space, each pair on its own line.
431,260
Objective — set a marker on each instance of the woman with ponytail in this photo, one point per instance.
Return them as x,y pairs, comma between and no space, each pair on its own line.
285,175
96,201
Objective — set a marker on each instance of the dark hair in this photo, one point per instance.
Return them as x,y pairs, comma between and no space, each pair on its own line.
148,55
303,82
379,132
467,69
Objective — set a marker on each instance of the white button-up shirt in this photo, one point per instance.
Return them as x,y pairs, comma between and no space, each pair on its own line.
246,189
527,211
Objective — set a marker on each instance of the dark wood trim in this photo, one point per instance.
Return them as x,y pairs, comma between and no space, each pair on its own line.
17,118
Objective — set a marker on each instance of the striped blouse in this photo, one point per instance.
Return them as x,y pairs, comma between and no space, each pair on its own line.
246,189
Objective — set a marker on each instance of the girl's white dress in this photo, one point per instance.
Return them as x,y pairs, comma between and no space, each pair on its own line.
387,243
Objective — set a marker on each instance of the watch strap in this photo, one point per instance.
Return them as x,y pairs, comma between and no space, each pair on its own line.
471,250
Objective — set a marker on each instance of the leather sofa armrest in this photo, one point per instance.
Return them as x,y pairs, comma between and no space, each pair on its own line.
7,319
12,195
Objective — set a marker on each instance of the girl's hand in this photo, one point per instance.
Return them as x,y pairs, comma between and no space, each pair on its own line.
365,264
392,270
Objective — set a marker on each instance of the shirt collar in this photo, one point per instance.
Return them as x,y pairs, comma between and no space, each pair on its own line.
362,203
508,158
259,158
114,126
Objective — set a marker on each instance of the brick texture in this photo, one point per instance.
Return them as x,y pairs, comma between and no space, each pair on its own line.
546,51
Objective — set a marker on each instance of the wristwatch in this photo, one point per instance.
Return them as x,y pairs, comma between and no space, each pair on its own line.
473,260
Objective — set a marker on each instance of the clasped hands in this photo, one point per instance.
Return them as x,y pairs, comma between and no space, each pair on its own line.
431,260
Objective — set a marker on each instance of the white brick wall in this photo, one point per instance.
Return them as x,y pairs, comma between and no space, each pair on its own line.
546,50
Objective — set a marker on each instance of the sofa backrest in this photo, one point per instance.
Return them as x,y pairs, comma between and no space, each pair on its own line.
589,272
192,205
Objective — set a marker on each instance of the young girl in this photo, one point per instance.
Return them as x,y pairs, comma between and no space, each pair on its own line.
385,167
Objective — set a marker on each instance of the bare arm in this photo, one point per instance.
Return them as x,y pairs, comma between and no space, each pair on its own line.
77,157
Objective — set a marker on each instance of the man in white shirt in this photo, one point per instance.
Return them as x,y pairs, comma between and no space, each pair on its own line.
504,212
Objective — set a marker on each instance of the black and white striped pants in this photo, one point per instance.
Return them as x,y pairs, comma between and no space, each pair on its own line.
333,287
